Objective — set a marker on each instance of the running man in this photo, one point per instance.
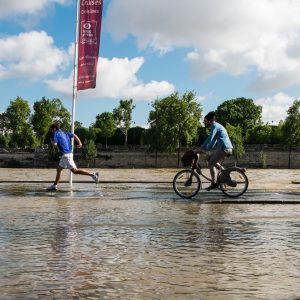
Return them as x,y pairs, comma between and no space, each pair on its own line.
62,140
218,141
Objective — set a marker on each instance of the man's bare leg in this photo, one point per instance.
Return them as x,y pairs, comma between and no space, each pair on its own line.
58,174
95,176
82,172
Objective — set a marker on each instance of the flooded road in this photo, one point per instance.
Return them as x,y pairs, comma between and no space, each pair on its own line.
140,241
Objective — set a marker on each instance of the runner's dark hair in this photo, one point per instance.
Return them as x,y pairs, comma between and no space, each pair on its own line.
55,126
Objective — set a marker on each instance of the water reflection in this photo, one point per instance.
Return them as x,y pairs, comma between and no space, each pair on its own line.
61,228
137,242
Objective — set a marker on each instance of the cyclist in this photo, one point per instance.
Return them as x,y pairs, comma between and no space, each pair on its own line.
218,141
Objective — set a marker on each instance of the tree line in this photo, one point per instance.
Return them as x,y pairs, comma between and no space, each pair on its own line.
174,121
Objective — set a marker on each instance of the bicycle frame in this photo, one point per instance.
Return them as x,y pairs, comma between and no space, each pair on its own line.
198,169
196,166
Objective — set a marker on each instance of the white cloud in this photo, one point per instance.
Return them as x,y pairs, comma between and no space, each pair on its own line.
275,108
31,55
232,36
10,8
116,78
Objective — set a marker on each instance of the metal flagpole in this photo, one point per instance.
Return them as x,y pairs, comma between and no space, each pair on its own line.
74,81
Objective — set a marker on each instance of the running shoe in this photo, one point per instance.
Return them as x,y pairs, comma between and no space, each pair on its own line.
96,177
52,187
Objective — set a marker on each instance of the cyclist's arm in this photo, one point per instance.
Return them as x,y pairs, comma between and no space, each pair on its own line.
210,141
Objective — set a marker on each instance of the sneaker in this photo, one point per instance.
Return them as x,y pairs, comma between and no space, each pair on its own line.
52,187
213,186
96,177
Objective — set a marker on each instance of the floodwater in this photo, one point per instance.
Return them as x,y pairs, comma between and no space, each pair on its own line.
140,241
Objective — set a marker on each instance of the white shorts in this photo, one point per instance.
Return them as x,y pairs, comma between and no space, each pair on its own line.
67,162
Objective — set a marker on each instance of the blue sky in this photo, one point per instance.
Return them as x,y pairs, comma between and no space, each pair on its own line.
220,49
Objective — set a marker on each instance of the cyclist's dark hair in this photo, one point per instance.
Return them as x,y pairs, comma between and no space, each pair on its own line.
210,116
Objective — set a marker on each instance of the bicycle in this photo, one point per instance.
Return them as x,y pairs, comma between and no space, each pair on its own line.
233,181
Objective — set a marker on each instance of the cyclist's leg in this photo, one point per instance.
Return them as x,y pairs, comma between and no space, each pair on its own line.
214,161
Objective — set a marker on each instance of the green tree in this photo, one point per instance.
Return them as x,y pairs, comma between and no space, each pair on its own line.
89,151
4,140
45,113
86,134
4,136
291,128
239,112
18,114
106,124
61,114
235,135
3,123
172,120
123,116
136,135
263,159
260,134
78,124
277,133
23,139
82,133
117,139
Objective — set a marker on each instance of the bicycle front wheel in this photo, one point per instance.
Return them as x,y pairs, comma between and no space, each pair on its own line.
237,183
186,183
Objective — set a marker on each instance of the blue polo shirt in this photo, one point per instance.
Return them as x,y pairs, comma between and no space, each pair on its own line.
218,138
63,141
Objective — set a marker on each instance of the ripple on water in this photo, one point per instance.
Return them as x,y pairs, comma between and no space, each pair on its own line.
123,246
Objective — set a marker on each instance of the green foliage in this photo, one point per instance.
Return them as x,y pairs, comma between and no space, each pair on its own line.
93,133
106,124
117,139
235,135
47,112
277,133
123,116
265,134
291,127
78,124
136,135
86,134
82,133
89,151
17,114
24,139
203,132
263,159
260,134
3,122
4,140
42,118
173,119
61,115
239,112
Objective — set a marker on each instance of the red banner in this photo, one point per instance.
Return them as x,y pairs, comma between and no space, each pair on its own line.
88,43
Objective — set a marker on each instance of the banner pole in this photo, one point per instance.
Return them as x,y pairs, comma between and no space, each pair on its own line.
74,82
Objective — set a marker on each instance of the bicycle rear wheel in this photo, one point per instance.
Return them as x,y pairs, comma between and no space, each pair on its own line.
237,183
186,183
